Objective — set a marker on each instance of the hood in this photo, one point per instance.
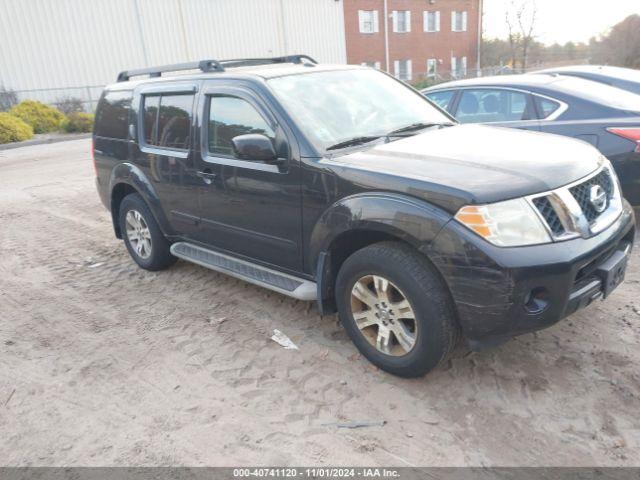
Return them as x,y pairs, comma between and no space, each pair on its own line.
470,164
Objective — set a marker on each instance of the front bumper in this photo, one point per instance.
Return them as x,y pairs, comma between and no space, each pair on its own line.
503,292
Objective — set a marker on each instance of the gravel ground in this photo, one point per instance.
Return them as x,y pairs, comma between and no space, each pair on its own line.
102,363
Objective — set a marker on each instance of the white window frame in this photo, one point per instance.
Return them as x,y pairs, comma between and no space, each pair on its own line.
463,21
407,17
425,20
372,20
458,69
408,71
432,64
375,65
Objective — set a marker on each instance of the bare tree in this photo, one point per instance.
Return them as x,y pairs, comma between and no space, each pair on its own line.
513,39
527,22
521,21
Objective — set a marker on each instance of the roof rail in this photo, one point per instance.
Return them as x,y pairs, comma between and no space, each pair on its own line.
212,66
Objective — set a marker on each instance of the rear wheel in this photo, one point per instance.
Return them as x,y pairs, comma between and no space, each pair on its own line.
142,236
396,309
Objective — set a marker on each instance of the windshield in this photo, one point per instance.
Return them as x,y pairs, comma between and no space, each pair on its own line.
335,106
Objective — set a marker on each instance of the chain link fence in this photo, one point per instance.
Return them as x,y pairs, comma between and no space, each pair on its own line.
83,98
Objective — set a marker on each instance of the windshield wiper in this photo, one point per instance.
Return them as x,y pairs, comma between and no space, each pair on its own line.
419,126
354,141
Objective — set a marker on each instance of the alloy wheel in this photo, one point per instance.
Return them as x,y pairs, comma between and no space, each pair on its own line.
138,234
384,315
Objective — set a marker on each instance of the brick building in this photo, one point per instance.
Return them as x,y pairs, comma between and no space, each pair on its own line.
420,38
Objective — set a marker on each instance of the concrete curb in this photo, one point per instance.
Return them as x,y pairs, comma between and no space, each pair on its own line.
43,140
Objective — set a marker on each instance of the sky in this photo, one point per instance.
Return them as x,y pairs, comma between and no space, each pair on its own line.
563,20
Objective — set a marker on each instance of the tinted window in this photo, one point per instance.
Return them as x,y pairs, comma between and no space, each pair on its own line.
546,107
442,99
112,115
150,120
174,123
167,120
229,117
487,105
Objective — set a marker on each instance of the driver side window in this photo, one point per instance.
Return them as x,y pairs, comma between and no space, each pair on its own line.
229,117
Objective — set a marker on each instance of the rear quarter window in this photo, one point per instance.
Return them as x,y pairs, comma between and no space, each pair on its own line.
546,107
112,115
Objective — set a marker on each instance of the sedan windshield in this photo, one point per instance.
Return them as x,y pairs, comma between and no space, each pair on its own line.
350,107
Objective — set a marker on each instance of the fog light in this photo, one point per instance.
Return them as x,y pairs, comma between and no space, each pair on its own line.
536,301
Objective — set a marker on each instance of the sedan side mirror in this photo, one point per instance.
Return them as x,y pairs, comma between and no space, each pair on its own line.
254,147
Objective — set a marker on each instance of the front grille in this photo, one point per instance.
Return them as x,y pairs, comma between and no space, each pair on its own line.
549,214
582,191
569,213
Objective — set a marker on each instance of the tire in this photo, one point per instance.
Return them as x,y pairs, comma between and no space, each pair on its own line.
404,347
137,222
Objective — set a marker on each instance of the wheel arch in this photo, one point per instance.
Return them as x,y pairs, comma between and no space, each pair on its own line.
361,220
127,178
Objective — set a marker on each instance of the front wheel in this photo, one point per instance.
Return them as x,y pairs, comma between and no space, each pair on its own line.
142,236
396,309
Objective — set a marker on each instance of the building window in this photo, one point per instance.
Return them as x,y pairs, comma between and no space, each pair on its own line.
368,20
431,21
402,69
371,64
458,21
432,67
401,21
458,67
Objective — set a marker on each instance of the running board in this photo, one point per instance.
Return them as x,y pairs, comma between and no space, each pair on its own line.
250,272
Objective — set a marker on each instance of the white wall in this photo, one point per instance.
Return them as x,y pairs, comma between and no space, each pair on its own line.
46,44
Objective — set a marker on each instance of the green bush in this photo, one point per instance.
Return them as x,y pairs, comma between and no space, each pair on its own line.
12,129
78,122
424,83
41,117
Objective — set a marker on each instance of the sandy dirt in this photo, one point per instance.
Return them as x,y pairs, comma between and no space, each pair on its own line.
102,363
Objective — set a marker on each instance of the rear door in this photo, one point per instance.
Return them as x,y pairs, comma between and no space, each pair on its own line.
165,139
496,106
249,208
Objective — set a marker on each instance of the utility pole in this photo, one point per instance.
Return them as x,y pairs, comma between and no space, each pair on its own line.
386,36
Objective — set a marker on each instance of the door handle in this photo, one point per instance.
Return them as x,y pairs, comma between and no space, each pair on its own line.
207,175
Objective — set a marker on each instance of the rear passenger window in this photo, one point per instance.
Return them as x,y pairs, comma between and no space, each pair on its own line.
229,117
112,115
167,120
488,105
150,120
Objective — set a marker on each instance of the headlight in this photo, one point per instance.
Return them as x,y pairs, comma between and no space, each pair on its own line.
506,224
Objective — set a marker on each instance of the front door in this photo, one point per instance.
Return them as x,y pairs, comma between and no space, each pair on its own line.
249,208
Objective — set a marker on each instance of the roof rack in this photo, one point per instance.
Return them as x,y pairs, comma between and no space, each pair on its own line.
212,66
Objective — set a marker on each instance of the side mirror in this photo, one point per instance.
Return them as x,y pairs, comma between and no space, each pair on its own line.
254,147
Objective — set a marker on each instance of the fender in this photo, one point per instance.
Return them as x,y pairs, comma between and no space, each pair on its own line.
406,218
130,174
409,219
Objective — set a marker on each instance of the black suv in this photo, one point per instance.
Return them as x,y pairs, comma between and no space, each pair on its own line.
342,185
